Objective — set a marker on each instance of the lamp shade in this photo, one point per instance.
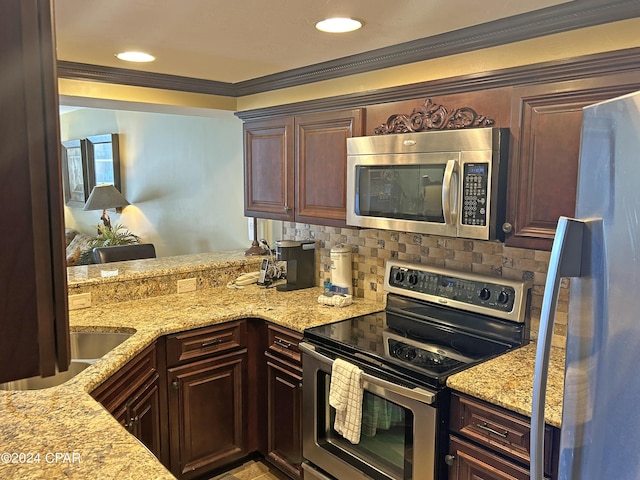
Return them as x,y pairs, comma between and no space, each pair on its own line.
103,197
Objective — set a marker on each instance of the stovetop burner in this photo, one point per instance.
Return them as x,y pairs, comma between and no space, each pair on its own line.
422,356
425,336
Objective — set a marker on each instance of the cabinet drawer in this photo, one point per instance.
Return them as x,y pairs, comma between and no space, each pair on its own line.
203,342
503,431
471,461
283,342
117,389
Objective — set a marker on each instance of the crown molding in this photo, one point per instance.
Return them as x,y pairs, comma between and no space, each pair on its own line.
138,78
570,69
561,18
573,15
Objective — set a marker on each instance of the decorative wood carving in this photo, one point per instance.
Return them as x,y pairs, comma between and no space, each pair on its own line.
431,116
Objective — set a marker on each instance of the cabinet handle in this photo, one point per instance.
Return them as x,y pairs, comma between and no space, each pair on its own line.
484,426
215,341
507,227
450,460
282,344
175,385
287,209
132,424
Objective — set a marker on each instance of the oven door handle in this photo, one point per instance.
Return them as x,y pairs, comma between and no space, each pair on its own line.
416,393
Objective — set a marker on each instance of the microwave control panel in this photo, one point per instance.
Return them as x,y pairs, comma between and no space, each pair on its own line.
474,194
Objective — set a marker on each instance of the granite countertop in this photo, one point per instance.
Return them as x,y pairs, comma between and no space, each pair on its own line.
507,381
118,271
62,432
75,437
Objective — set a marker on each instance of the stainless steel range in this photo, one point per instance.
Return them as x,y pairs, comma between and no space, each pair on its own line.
437,322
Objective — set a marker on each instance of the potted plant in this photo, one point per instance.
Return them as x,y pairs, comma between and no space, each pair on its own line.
108,237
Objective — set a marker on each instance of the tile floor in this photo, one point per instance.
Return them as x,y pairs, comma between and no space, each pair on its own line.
251,470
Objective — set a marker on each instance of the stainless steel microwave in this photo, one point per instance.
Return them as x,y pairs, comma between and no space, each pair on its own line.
450,183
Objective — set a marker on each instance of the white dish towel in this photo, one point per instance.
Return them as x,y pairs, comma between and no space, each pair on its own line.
345,395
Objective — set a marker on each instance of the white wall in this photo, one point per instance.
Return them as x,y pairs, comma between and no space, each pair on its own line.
182,174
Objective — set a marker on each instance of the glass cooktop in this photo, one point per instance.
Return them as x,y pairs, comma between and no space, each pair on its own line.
420,349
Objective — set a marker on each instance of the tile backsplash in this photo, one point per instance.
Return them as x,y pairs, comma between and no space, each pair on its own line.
371,248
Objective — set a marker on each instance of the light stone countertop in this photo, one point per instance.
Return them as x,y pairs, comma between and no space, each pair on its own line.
66,419
131,269
507,381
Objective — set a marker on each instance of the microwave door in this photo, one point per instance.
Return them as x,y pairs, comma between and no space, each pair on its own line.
406,196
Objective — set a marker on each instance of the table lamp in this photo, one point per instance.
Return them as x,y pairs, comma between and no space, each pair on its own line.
103,197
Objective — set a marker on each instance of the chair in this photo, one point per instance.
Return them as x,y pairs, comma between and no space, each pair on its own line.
119,253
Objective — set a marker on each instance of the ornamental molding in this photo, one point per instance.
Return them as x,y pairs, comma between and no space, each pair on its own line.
433,116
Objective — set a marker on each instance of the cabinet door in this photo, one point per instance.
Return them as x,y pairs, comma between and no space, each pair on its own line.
144,417
268,169
471,462
284,446
207,413
132,396
128,381
543,169
321,165
34,323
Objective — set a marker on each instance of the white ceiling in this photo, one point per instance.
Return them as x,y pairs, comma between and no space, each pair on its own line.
234,41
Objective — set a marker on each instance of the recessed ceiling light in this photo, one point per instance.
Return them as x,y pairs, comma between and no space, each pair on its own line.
339,25
135,57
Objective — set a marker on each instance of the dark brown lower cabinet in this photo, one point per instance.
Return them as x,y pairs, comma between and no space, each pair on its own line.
488,442
284,445
132,396
139,415
144,420
284,400
207,413
475,463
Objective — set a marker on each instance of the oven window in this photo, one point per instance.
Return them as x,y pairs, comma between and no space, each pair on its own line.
385,450
405,192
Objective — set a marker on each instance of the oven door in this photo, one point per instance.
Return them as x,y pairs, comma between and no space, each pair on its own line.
402,445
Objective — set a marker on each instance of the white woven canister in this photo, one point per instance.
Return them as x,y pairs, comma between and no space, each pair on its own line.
341,269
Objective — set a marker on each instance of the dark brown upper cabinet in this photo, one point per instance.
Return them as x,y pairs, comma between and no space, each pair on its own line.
295,167
269,168
321,165
545,148
33,276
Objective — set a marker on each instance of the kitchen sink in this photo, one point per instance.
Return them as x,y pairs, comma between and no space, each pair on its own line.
37,383
91,346
86,348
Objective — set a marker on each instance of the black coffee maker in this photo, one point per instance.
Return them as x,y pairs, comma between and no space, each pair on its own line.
301,263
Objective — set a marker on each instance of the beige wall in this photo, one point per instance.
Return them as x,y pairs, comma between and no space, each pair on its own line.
182,174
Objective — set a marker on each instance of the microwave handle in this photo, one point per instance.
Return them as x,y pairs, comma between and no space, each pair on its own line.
449,182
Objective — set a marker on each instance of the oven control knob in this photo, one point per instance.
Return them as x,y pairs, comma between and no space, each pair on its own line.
413,279
503,297
409,354
484,294
399,276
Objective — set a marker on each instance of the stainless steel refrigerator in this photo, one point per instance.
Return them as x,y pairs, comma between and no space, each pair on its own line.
600,252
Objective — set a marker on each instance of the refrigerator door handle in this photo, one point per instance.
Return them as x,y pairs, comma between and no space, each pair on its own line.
565,261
